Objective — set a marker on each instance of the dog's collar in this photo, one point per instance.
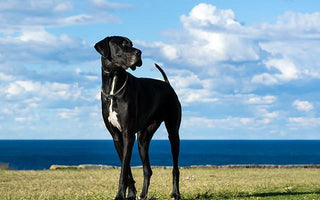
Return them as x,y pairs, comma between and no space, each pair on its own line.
113,96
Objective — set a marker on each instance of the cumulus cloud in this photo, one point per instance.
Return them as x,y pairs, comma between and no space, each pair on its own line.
190,88
225,123
29,118
255,99
306,122
206,15
295,39
286,71
37,35
4,77
212,36
271,54
65,113
25,30
48,91
36,107
36,45
302,105
301,25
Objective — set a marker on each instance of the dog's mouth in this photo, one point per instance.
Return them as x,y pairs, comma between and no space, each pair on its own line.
135,64
133,68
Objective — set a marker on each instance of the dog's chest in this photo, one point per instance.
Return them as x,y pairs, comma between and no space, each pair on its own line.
113,115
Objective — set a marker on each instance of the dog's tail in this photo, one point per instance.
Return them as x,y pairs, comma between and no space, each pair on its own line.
162,72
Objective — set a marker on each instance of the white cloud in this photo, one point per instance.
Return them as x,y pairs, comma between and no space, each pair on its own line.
263,113
271,114
265,78
300,52
197,121
35,45
211,35
255,99
195,96
30,118
206,15
103,4
209,18
190,88
46,90
267,54
63,7
5,77
14,89
16,14
302,105
68,113
293,24
184,78
228,123
306,122
294,38
169,51
76,20
287,69
6,111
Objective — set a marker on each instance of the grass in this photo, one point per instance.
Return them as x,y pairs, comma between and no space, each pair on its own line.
4,166
194,184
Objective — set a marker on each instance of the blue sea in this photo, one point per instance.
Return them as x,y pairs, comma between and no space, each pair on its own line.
41,154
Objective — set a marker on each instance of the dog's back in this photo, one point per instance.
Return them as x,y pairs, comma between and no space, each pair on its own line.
155,98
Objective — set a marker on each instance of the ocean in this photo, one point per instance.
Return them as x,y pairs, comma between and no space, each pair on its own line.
41,154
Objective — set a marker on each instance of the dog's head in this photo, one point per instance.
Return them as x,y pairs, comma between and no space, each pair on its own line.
117,51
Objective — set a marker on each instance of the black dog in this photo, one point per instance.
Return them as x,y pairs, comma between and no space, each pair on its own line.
136,105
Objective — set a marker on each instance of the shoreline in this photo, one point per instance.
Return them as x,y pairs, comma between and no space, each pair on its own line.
6,166
251,166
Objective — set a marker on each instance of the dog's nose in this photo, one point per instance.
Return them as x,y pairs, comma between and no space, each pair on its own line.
138,52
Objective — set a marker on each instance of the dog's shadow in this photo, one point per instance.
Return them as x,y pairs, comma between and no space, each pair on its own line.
275,194
206,195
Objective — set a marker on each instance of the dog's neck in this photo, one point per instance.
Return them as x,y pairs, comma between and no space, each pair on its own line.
113,78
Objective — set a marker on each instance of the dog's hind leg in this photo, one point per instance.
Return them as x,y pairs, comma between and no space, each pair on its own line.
172,125
144,138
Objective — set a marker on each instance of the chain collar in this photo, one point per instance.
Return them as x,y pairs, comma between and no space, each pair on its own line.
113,96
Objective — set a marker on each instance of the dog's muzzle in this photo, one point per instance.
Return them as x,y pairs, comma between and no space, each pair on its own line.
137,62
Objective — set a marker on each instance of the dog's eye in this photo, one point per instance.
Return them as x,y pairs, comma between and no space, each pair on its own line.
125,44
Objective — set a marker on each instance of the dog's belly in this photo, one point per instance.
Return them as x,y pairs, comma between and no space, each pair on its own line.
113,119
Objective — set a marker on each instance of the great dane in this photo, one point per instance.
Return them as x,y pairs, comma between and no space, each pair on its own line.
133,105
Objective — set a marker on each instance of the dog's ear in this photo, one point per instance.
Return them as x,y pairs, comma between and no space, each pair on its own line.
103,47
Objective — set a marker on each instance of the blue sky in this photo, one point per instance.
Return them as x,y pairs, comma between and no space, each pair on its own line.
242,69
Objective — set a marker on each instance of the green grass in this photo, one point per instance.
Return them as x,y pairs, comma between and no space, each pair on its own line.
194,184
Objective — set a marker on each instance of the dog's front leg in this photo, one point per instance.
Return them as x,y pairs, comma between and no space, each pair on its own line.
128,141
131,188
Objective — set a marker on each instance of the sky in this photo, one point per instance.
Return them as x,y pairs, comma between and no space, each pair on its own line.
242,69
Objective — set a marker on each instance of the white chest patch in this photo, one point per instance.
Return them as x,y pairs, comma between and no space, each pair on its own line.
113,119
